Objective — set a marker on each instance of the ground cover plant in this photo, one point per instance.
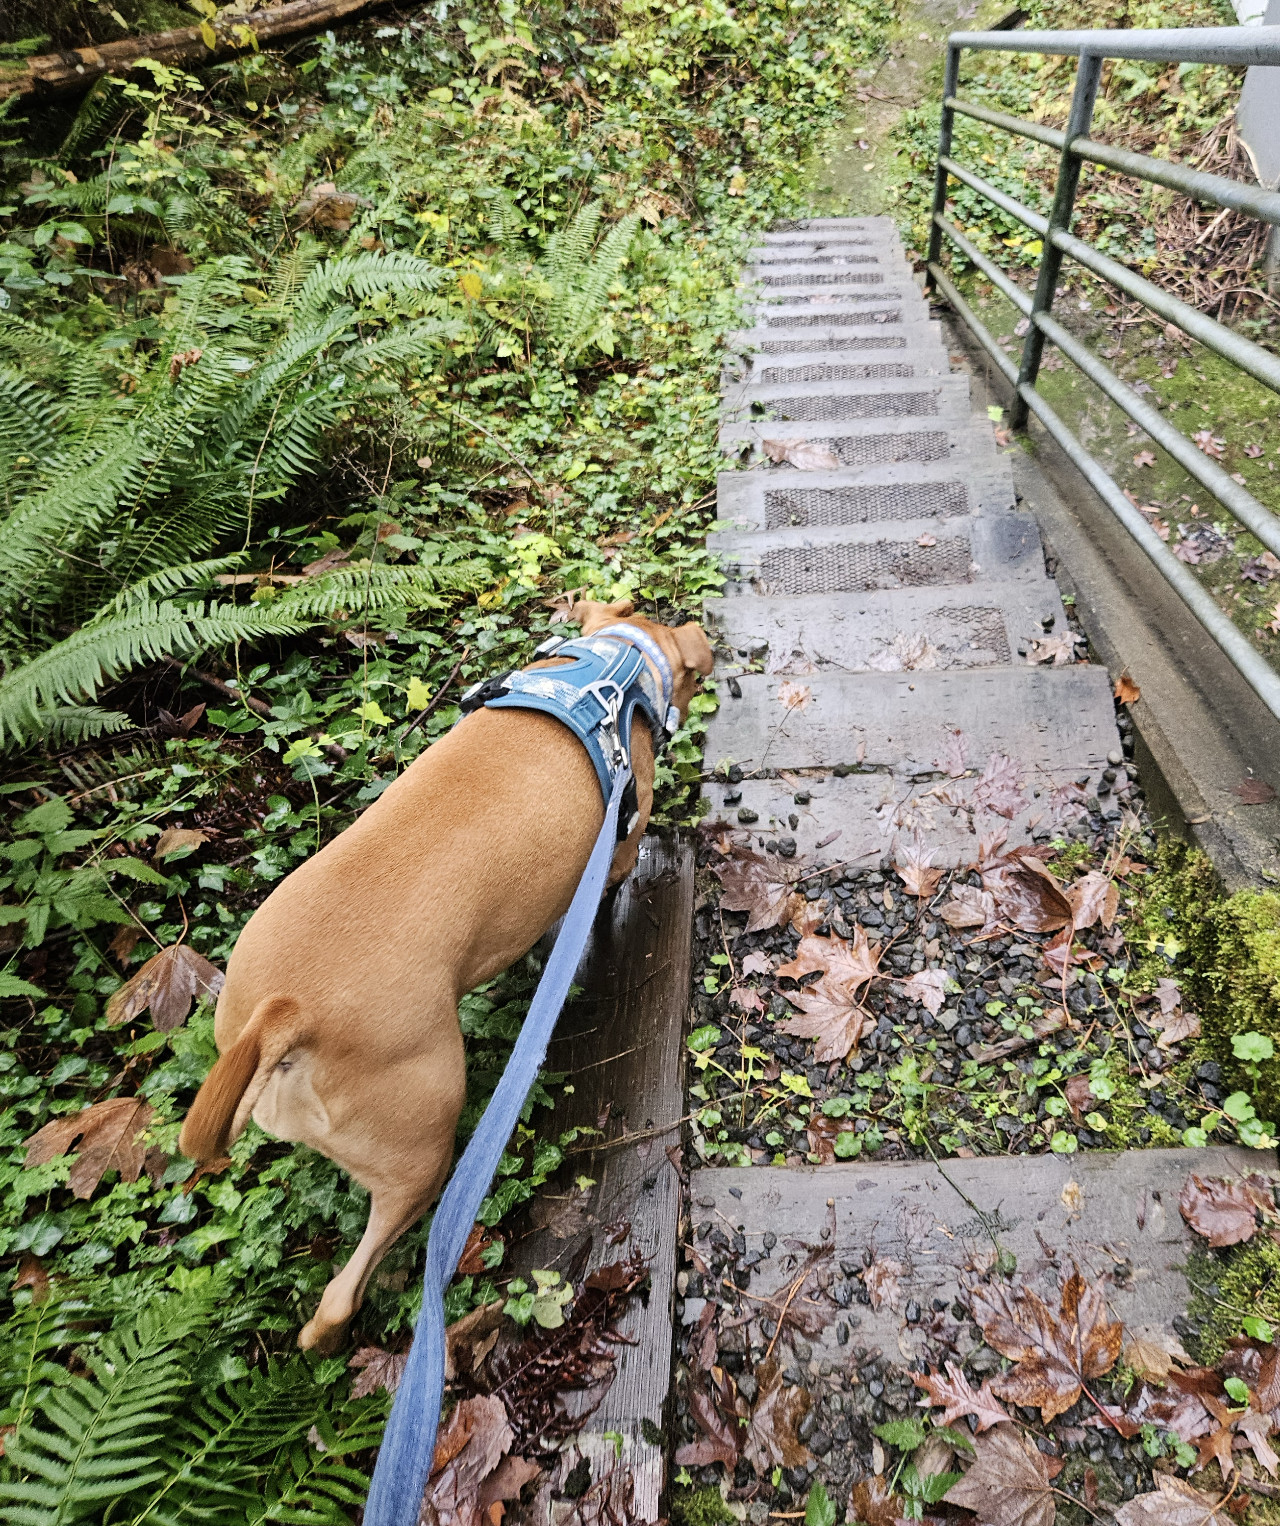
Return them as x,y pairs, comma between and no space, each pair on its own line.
1210,261
329,379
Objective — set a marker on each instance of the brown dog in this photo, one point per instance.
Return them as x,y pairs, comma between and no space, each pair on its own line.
338,1023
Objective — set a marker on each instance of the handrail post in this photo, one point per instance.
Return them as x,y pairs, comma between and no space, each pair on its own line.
951,84
1088,74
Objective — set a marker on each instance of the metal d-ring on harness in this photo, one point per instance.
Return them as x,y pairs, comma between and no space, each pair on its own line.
596,695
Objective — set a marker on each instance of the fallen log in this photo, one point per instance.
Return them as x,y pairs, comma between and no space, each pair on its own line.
77,68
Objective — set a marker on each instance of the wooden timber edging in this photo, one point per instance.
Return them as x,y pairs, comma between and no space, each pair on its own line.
76,69
621,1044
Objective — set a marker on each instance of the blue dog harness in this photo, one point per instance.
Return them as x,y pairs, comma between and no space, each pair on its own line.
596,695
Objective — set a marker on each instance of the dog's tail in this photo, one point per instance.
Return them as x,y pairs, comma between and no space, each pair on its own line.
232,1087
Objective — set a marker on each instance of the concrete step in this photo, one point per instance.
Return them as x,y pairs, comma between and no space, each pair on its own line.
865,442
813,342
845,398
819,257
1049,1212
828,559
790,227
979,625
1050,720
883,362
908,490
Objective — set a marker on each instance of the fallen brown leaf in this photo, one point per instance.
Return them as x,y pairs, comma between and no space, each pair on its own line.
882,1280
1144,458
468,1464
1027,894
471,1263
213,1167
1126,691
124,943
1080,1098
1216,1445
999,790
1055,1351
914,869
1094,898
757,962
793,695
1254,792
958,1397
31,1274
1174,1502
1058,650
772,1439
833,1012
968,907
183,725
1221,1210
928,987
109,1141
168,983
719,1441
1148,1360
953,761
759,885
173,839
1008,1483
469,1340
378,1369
804,455
1207,441
1256,1428
873,1503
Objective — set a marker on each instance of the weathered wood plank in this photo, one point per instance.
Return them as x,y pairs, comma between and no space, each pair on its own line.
621,1043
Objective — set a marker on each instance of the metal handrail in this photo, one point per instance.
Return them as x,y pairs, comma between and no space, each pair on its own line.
1198,45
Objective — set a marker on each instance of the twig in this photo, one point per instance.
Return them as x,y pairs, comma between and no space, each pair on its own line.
422,715
794,1289
228,691
504,448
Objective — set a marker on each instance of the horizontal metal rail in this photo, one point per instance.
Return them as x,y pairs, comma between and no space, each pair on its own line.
1236,45
1207,45
1201,185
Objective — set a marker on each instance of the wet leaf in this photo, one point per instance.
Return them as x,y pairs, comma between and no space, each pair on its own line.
468,1456
914,869
804,455
124,943
999,790
1256,1428
928,987
378,1370
1254,792
1220,1210
793,695
108,1133
1148,1360
719,1439
168,983
772,1440
31,1274
761,886
874,1504
1008,1484
1094,898
958,1398
968,907
954,760
1173,1030
174,839
1215,1445
833,1012
1055,1351
757,962
1027,895
1126,691
1173,1502
1080,1098
1207,441
882,1280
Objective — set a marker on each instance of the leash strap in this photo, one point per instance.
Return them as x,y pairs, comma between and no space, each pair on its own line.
408,1446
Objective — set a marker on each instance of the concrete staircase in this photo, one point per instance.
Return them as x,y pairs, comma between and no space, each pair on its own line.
880,606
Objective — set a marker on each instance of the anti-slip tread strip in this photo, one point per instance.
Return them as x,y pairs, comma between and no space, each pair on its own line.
886,371
858,405
864,505
846,569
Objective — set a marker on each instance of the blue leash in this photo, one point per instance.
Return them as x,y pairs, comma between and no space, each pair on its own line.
404,1460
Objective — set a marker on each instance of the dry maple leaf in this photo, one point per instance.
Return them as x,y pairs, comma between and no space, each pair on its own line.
168,983
804,455
1216,1444
109,1141
467,1473
999,790
757,963
953,761
1094,898
1254,792
928,987
833,1012
378,1369
1207,441
1253,450
913,867
760,886
1055,1352
1221,1210
173,839
1174,1502
772,1439
1144,458
1126,691
1008,1483
1058,650
793,695
958,1397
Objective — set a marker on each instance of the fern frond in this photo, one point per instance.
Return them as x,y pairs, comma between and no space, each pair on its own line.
567,250
363,276
170,580
76,669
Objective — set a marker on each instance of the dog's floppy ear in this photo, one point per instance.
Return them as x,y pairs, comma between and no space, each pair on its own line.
591,615
695,649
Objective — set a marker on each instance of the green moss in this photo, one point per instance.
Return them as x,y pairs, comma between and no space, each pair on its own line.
1225,953
700,1507
1227,1287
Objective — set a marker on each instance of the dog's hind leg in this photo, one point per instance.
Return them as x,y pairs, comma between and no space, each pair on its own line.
390,1214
